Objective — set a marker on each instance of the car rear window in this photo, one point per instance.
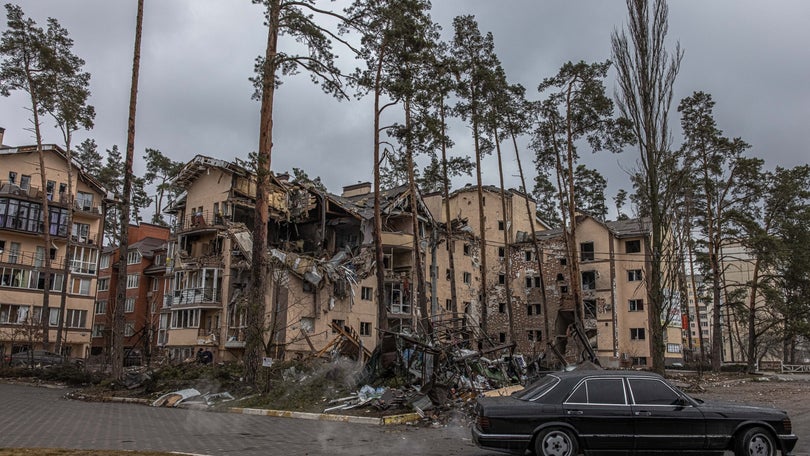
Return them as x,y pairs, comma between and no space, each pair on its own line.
537,389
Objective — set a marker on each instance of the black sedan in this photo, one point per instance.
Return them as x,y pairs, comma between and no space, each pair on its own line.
623,412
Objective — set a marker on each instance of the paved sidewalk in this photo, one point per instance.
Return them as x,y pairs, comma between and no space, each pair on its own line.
41,417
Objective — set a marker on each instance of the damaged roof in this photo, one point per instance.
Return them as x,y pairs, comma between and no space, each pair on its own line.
200,164
362,206
621,229
491,189
147,246
631,227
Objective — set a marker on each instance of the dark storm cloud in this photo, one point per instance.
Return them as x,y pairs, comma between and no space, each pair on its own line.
197,57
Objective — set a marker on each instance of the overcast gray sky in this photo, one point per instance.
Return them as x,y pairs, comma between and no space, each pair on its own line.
197,56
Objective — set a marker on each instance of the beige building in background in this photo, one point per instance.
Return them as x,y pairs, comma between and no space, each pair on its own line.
22,252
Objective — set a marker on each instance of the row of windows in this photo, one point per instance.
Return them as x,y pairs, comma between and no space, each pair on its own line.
129,306
26,278
532,335
83,200
16,314
132,282
587,250
635,334
129,329
27,216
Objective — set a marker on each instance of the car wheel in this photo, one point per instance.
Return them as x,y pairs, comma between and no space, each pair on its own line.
756,441
555,442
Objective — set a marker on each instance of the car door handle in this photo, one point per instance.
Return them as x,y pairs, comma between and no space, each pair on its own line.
574,412
643,413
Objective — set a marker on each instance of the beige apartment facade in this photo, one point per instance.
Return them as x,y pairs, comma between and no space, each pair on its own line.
522,299
74,250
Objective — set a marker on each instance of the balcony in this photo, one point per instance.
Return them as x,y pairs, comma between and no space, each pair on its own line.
207,336
89,239
236,338
87,207
30,193
197,297
200,221
397,240
83,267
30,259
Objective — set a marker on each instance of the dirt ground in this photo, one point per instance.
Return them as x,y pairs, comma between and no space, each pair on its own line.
789,392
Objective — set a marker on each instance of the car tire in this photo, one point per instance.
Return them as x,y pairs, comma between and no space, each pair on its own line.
755,441
556,442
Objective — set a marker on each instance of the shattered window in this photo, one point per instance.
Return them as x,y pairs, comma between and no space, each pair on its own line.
339,324
501,252
308,324
467,249
501,307
467,278
501,279
365,328
632,246
586,251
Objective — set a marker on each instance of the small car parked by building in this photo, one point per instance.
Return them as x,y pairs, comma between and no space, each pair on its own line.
624,412
36,358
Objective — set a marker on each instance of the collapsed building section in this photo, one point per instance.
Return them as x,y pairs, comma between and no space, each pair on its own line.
323,289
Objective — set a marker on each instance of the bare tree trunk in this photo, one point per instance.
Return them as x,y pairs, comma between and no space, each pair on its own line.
700,328
257,300
538,254
121,284
382,309
576,276
421,287
507,257
451,244
46,235
646,76
69,246
482,226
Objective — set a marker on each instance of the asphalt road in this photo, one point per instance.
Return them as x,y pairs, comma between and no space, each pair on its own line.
33,416
41,417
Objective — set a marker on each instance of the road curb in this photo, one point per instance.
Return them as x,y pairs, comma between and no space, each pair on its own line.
384,421
388,420
125,400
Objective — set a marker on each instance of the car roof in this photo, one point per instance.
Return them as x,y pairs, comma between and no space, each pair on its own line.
569,379
578,374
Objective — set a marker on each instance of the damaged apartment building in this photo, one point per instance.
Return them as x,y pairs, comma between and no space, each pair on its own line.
323,283
321,250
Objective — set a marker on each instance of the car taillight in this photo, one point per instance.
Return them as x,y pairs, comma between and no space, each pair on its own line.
787,425
483,423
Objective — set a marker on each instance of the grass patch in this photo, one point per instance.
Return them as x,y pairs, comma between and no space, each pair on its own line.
302,387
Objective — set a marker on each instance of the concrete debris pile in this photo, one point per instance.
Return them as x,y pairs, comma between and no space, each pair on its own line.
192,397
346,344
